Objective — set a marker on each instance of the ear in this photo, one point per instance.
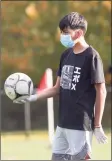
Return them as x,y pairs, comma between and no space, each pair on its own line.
78,33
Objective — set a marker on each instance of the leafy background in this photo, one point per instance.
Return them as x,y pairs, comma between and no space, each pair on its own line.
30,34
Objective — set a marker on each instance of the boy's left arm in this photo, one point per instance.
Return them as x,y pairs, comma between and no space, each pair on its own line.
99,109
98,79
100,103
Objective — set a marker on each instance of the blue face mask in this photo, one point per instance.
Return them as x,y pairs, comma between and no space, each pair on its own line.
67,41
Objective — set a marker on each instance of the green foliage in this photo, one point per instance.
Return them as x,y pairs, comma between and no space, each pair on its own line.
30,37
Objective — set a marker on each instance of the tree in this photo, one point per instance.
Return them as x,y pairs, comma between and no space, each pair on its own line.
30,41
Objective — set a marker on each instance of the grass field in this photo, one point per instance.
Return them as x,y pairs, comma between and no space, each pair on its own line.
36,147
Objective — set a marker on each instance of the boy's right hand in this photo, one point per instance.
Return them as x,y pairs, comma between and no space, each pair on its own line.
24,99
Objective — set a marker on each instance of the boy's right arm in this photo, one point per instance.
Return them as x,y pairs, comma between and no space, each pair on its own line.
47,93
50,92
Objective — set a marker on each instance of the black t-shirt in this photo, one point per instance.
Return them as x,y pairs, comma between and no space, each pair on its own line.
79,73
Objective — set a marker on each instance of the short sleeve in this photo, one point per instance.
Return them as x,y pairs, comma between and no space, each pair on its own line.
97,72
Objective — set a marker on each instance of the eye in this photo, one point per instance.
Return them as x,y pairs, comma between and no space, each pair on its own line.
64,32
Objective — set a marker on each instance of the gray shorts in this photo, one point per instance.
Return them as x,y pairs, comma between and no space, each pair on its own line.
75,143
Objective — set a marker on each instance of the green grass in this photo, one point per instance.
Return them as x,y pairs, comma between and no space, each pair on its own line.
36,147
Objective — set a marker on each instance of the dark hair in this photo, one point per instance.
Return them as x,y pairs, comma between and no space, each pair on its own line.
73,20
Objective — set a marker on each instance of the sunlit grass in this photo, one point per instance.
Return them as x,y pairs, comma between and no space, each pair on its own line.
17,146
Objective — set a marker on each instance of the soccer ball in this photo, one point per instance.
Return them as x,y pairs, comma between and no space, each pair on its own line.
17,85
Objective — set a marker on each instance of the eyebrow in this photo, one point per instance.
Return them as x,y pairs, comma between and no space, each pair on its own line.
64,30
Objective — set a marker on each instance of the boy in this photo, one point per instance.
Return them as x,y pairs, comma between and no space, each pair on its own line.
81,88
